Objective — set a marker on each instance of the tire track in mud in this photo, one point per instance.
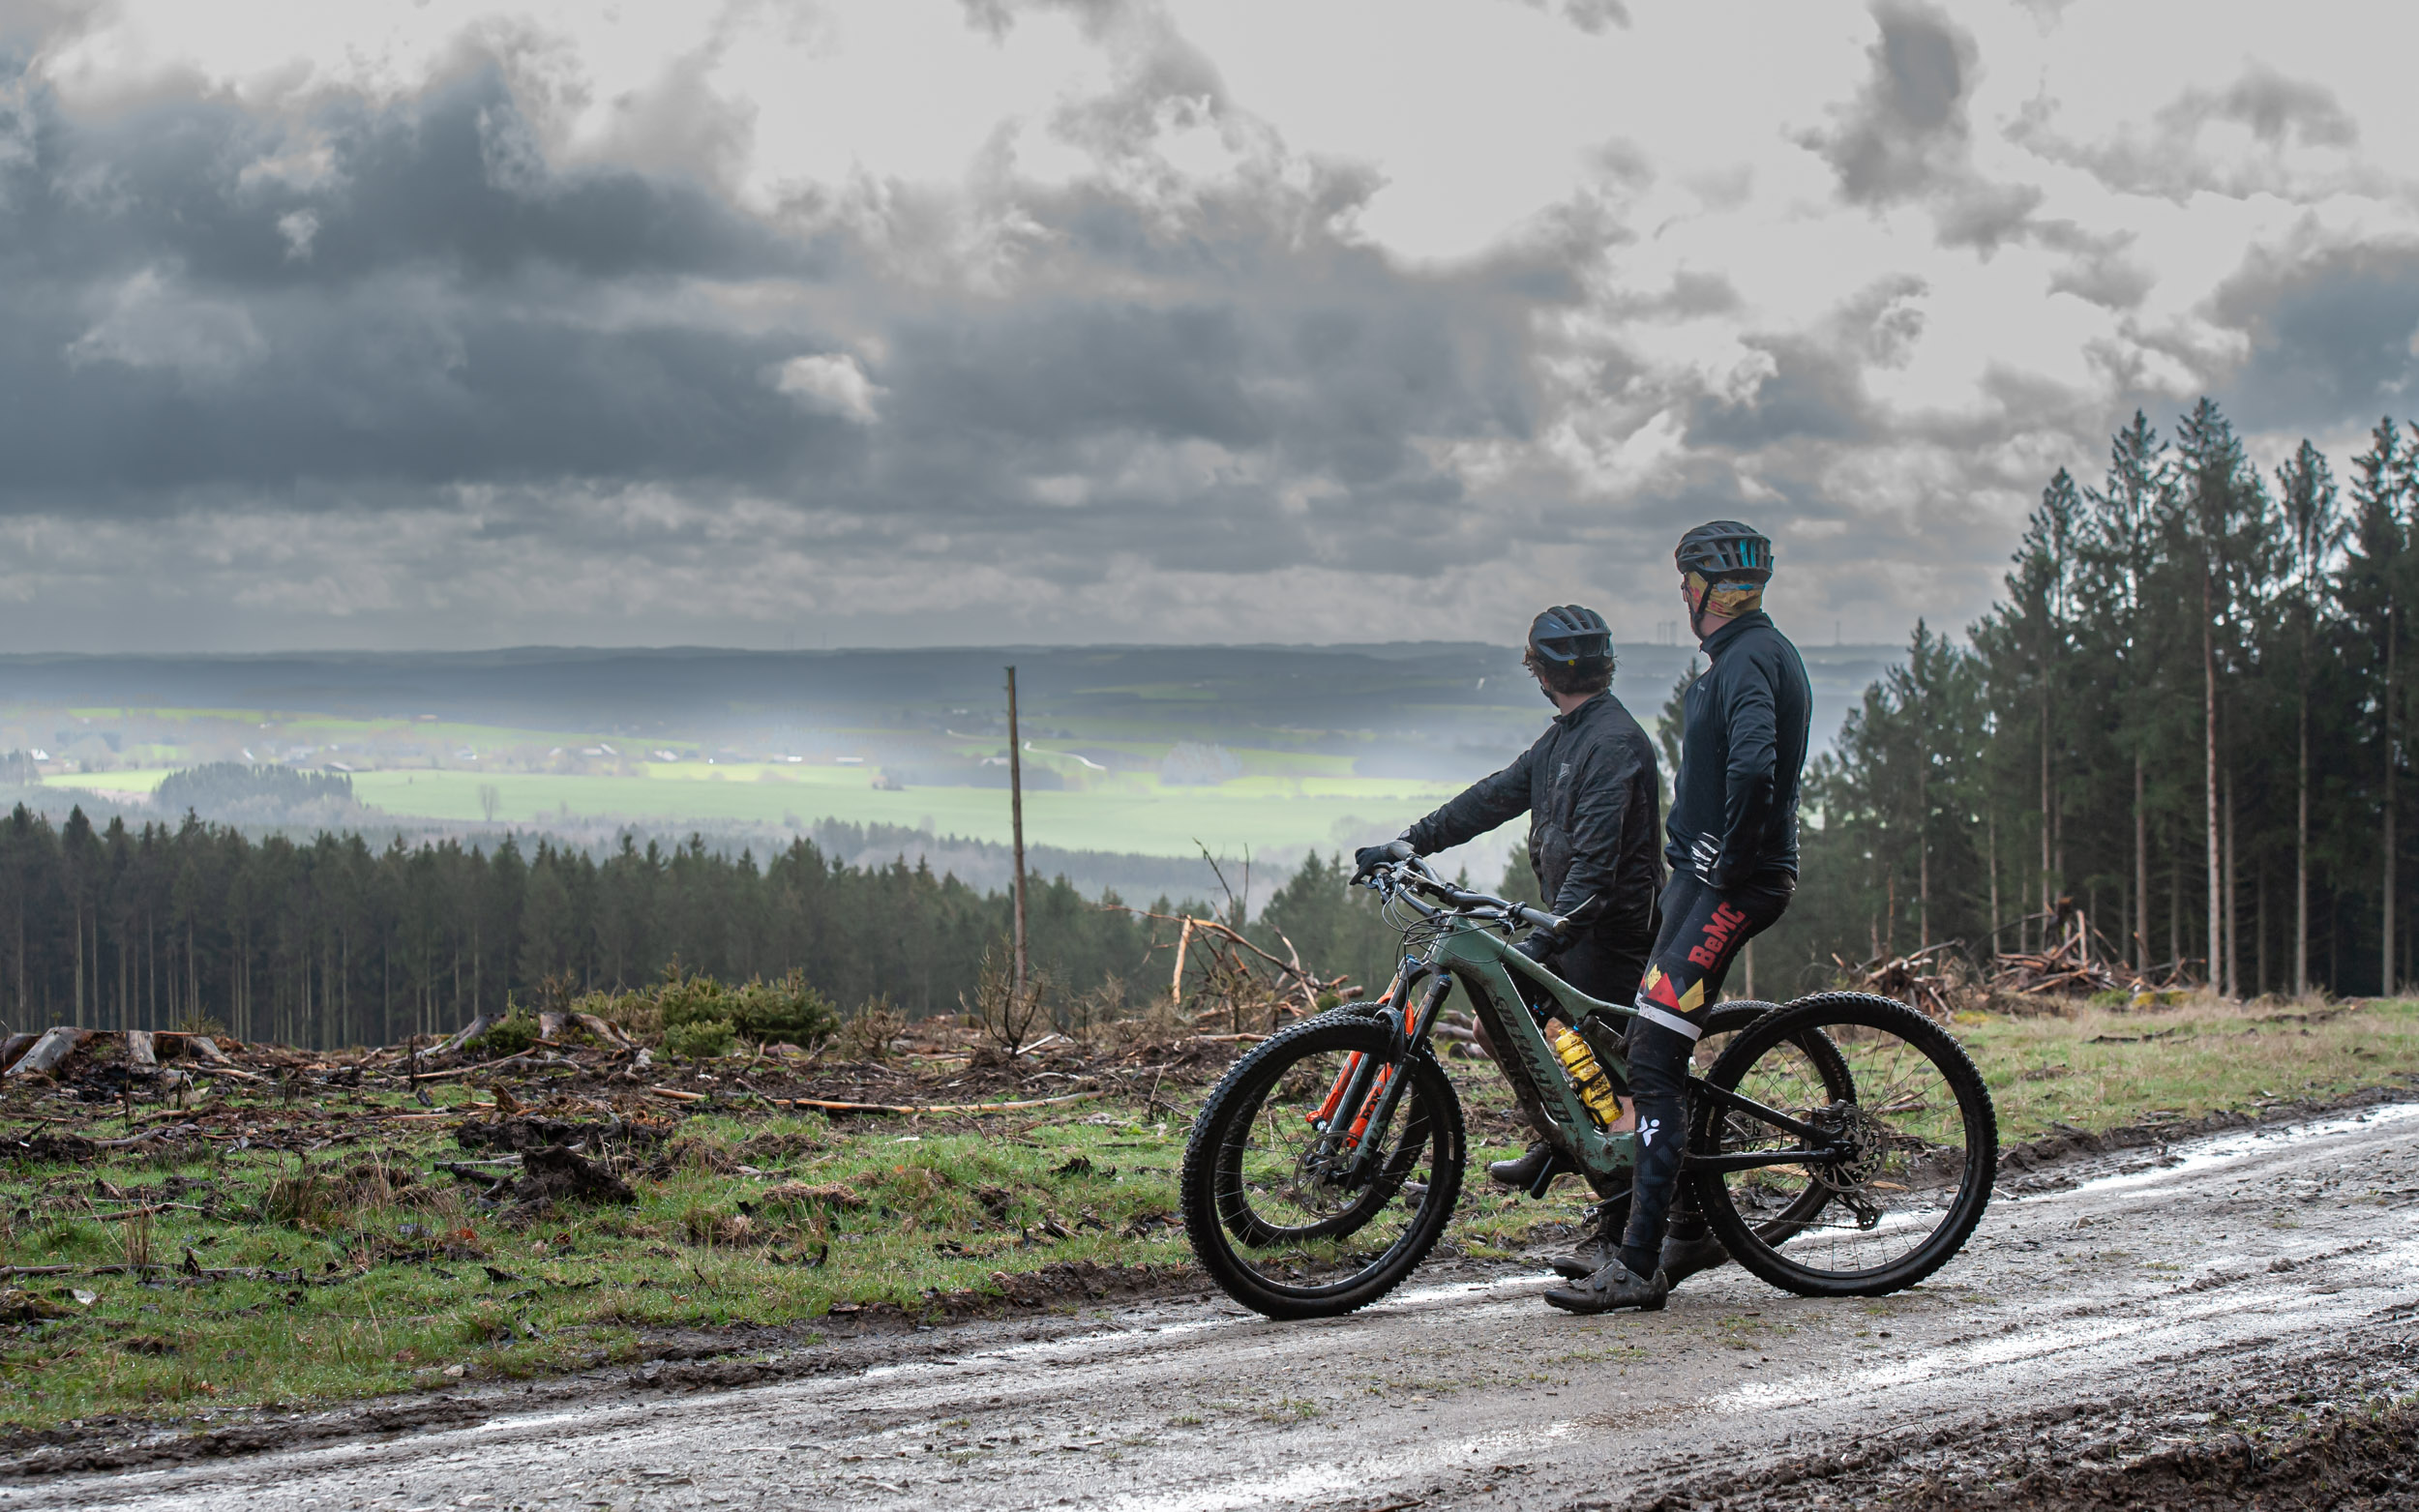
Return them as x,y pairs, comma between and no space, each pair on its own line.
2162,1277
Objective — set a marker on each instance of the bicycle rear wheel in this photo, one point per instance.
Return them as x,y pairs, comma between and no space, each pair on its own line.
1914,1133
1292,1214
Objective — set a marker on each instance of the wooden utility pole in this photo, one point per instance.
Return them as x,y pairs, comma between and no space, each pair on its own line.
1016,826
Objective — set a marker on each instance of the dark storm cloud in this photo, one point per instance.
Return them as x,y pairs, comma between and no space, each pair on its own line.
1905,137
173,321
1185,419
2333,334
380,309
196,299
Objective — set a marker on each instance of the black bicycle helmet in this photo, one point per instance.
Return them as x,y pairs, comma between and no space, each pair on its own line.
1725,551
1566,634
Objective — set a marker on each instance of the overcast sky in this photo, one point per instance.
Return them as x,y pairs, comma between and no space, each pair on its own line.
428,323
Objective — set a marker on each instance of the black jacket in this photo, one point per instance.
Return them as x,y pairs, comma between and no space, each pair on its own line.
1589,789
1734,808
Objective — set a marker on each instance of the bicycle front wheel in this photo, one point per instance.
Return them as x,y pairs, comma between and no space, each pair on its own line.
1900,1152
1303,1194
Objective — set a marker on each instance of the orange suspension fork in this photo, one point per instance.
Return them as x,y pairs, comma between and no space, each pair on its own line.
1351,1065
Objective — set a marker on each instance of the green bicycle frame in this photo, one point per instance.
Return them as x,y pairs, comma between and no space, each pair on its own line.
1475,950
1483,963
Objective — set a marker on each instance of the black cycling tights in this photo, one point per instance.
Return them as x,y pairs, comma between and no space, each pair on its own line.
1703,932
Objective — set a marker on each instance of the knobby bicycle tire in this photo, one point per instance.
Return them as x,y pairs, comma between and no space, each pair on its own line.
1214,1207
1805,1022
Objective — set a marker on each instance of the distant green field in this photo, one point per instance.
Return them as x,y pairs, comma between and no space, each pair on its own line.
1129,813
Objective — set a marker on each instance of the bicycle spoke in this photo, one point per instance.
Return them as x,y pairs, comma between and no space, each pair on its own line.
1305,1203
1882,1088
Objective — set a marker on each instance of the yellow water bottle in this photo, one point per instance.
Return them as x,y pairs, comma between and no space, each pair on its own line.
1596,1089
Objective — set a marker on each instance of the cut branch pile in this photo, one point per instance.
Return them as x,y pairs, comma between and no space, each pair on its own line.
1238,981
1920,980
2066,969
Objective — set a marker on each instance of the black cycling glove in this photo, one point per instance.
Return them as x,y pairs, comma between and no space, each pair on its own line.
1540,944
1368,858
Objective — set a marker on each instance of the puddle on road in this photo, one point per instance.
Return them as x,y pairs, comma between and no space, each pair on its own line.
2201,1154
1398,1464
2275,1305
1092,1344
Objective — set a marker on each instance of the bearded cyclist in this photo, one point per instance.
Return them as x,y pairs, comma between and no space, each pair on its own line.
1590,789
1733,848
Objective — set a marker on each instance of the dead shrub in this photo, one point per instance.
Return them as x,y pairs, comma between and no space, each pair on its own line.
1005,1015
869,1031
135,1238
306,1199
1085,1016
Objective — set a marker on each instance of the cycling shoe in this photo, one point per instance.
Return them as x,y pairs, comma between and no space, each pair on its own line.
1614,1287
1684,1258
1525,1170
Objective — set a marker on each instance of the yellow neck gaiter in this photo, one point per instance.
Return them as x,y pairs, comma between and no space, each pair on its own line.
1732,598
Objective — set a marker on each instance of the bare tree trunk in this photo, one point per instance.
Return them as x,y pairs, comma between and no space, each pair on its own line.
2047,906
1923,855
1990,832
1016,825
2141,870
2209,754
2260,926
2233,913
2386,978
2301,843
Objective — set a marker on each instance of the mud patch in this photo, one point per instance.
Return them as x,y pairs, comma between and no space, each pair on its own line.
2362,1461
2337,1430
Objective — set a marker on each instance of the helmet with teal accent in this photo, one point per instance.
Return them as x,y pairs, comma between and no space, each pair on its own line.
1725,551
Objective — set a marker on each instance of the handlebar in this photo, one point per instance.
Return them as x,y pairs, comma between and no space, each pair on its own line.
1410,873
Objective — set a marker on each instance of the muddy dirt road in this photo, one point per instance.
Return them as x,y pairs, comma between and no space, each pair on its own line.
2148,1303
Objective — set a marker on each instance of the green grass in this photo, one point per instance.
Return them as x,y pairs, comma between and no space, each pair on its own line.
2102,1067
373,1312
363,1307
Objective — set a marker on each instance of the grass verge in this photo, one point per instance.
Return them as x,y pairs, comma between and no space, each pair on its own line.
305,1243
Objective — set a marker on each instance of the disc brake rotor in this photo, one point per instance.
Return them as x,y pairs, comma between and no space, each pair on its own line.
1319,1179
1868,1139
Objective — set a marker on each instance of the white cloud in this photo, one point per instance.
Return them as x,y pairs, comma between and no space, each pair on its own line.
831,384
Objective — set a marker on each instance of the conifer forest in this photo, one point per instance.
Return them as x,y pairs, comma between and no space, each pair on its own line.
2186,718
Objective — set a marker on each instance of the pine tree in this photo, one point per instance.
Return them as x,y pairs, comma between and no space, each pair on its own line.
2314,525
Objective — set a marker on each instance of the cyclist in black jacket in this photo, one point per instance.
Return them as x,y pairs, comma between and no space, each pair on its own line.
1733,846
1590,789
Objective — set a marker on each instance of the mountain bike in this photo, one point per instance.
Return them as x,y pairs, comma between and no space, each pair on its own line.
1839,1145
